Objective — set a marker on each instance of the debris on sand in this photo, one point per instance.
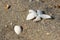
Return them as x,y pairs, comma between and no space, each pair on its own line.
37,15
17,29
32,14
7,6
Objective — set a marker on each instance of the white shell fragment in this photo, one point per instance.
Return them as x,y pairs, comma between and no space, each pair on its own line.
44,16
37,19
32,14
17,29
39,12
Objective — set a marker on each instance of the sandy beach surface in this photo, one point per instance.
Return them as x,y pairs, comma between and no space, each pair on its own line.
16,15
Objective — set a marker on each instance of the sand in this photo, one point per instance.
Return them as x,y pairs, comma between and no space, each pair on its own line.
16,15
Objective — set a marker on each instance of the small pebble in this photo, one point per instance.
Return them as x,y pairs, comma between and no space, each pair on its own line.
7,6
47,33
6,26
11,23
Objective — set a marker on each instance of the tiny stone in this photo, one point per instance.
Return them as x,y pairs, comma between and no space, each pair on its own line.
47,33
11,23
7,6
6,26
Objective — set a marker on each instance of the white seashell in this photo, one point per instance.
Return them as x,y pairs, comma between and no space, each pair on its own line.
44,16
37,19
17,29
32,14
39,12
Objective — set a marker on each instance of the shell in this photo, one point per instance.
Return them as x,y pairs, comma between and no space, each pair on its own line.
37,19
32,14
17,29
7,6
39,12
44,16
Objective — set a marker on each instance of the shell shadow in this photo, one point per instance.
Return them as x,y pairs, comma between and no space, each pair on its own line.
9,7
21,28
52,17
43,12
